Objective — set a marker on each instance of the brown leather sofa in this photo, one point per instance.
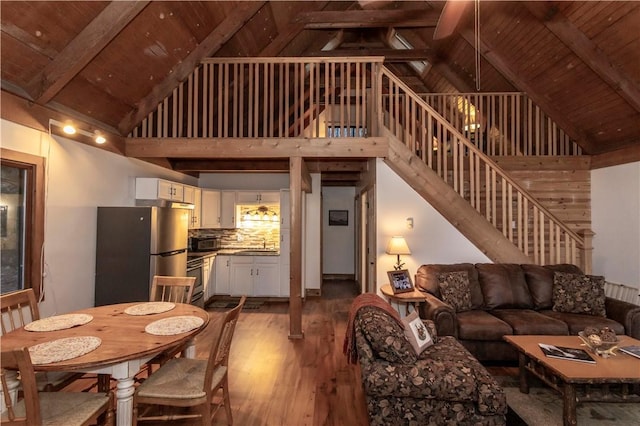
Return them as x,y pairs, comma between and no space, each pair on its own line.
509,299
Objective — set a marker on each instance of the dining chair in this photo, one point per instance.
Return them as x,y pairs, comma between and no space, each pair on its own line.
18,309
37,408
188,382
172,289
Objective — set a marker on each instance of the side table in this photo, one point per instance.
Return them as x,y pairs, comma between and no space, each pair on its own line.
410,298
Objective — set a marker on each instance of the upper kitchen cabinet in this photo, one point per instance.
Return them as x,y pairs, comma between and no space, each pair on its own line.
159,189
210,209
285,209
228,209
194,196
255,197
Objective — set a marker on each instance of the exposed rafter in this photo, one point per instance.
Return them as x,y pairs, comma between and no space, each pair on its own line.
82,49
211,44
586,50
390,55
368,19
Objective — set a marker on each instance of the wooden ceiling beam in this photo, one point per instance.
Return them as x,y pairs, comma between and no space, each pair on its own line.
236,165
256,147
390,54
368,19
586,50
629,154
242,13
503,66
319,166
83,48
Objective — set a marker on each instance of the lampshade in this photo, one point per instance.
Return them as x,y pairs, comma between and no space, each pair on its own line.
397,245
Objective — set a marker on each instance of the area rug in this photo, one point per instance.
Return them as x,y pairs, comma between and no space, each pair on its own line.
543,407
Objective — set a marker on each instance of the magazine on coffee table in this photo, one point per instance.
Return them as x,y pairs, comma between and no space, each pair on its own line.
562,352
633,350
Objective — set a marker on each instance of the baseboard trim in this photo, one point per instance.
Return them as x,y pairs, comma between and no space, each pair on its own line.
313,292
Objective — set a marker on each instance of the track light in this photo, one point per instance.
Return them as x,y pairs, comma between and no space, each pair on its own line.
69,129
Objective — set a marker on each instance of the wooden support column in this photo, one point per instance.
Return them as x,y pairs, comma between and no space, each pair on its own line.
296,182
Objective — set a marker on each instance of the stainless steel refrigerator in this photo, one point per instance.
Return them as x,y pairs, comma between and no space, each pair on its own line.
133,245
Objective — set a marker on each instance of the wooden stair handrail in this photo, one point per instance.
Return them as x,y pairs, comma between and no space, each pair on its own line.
408,92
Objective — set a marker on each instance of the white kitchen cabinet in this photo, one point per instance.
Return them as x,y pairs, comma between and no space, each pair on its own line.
241,276
195,215
257,197
159,189
210,216
254,276
227,209
285,209
266,278
222,266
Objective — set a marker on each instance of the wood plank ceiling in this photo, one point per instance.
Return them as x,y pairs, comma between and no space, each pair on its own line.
109,63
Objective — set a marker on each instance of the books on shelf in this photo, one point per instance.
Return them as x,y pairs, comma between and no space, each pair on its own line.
633,350
562,352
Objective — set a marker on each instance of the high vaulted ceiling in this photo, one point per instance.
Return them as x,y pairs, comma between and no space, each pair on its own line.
109,63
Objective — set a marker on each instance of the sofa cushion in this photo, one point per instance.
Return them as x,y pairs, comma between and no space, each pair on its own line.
481,325
416,332
385,336
426,280
540,283
578,294
527,321
578,322
503,286
454,289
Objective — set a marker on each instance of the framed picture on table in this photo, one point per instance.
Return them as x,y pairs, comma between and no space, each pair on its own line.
400,281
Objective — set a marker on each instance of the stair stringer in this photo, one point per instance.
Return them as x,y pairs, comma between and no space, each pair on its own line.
451,205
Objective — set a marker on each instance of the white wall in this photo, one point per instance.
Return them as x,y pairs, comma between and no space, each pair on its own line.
312,234
80,178
432,240
615,217
338,242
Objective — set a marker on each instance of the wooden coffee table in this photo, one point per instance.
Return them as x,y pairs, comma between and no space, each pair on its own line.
613,379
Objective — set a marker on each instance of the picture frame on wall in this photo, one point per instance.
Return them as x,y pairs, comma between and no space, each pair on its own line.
338,217
400,281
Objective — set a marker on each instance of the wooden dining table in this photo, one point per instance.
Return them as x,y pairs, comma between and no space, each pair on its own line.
124,349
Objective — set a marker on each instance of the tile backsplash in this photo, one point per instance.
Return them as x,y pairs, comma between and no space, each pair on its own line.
260,235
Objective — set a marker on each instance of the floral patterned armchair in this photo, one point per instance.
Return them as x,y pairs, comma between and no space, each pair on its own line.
444,385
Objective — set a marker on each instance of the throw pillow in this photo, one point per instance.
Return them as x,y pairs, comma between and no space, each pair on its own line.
578,294
416,332
455,290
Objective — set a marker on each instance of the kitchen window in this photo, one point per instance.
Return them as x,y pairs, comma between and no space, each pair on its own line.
21,220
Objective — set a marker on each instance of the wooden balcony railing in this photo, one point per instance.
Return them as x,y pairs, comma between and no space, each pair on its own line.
269,97
475,177
503,123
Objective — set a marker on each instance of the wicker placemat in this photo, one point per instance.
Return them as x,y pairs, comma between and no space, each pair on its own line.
149,308
63,349
58,322
174,325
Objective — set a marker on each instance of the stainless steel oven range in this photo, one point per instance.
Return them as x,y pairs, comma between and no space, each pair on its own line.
195,269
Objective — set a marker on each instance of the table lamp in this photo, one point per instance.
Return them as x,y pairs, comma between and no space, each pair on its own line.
397,245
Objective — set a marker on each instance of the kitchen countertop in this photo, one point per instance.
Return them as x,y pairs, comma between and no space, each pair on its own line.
235,252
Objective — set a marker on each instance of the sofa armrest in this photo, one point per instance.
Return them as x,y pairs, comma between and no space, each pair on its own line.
442,314
626,314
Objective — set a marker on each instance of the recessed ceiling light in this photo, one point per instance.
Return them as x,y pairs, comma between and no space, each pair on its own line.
99,139
69,129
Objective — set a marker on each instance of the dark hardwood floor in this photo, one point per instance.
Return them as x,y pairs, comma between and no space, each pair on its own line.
277,381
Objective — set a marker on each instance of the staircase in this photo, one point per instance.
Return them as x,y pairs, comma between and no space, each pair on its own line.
491,209
444,159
